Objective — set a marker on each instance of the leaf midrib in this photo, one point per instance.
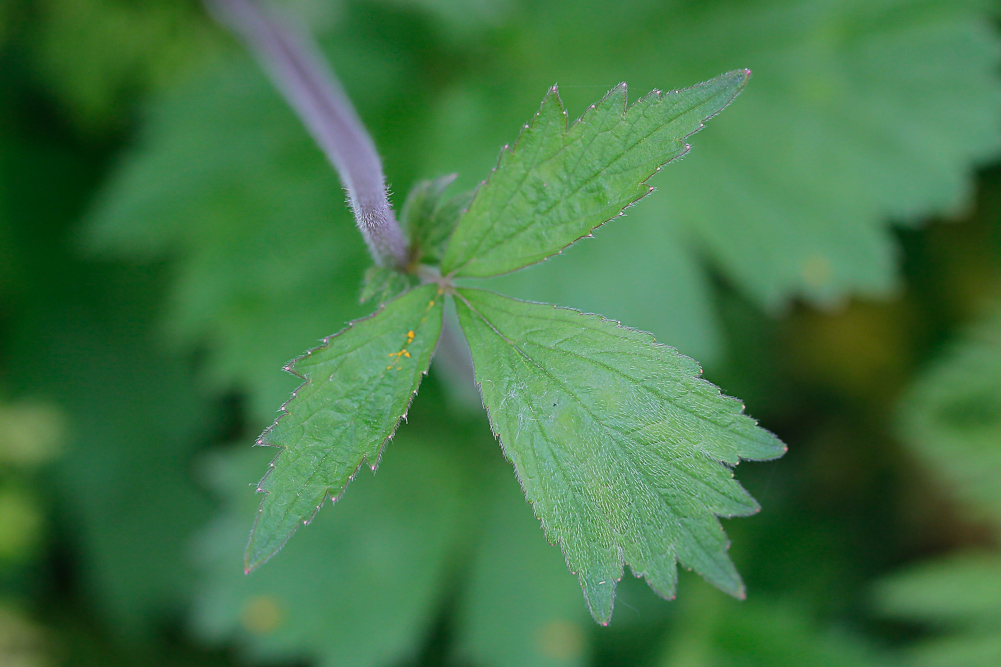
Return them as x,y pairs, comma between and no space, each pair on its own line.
616,371
635,469
328,450
495,218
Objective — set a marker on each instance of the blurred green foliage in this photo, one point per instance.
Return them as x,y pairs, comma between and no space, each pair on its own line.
763,632
96,55
377,569
951,419
161,211
960,598
21,641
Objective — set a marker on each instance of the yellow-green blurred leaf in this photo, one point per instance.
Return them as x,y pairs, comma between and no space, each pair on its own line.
31,432
714,632
21,523
22,642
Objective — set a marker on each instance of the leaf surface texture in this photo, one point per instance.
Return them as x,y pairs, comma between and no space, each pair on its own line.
623,450
359,384
556,183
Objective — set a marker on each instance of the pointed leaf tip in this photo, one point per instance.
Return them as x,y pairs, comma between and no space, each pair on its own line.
329,429
557,183
614,411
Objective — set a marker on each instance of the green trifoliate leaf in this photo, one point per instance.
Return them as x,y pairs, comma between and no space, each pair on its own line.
383,283
429,218
624,451
558,183
665,291
358,385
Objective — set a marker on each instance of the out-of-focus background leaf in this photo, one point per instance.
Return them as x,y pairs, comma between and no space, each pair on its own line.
518,608
379,565
951,419
960,598
858,114
96,55
170,237
762,632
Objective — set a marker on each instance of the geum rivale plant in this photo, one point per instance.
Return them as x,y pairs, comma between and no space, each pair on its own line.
625,453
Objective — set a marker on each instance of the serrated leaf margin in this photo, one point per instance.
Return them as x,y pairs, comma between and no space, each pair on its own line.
554,90
604,621
262,440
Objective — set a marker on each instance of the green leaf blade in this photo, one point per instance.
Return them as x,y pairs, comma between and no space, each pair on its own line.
358,385
623,450
557,183
382,283
429,218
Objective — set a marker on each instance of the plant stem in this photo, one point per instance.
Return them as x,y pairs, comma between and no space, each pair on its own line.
293,61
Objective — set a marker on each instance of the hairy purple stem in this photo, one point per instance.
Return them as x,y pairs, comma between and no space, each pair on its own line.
293,61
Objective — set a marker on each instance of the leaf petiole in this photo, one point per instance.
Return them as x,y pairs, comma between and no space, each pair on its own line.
310,87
